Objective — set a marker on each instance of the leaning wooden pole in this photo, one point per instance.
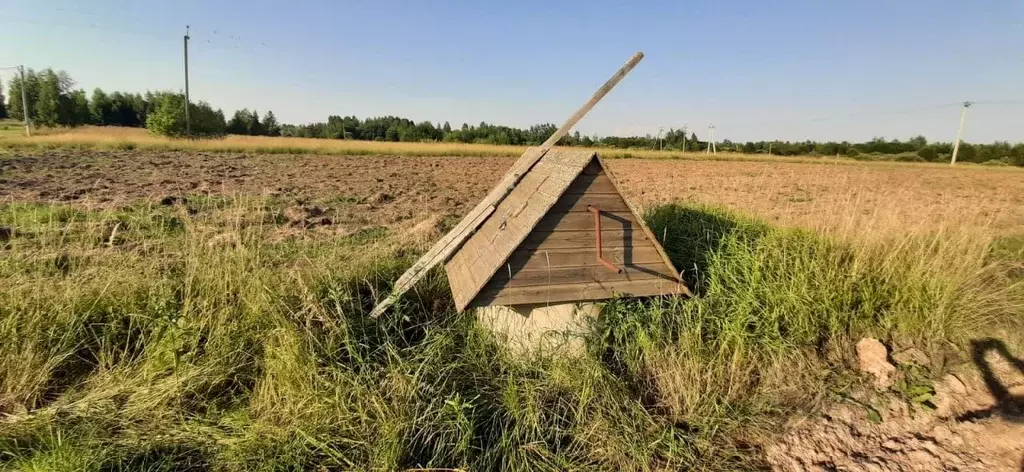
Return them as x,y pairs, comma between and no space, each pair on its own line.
451,242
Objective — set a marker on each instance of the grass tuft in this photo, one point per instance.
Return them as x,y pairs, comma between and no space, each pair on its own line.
160,347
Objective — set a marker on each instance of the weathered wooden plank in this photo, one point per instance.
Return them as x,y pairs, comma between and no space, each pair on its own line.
610,238
593,184
609,203
577,292
643,225
601,92
570,275
579,221
575,257
593,168
460,279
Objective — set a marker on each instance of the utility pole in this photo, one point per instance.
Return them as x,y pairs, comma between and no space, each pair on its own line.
660,146
684,137
711,140
959,132
24,103
188,123
769,149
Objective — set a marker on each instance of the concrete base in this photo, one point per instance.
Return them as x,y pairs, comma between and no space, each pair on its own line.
527,328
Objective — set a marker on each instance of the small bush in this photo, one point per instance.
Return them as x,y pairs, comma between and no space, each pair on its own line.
168,119
908,157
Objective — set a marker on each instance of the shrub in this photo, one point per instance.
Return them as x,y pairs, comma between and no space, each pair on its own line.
908,157
928,154
168,119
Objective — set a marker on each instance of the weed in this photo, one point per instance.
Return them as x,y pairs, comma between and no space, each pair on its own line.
160,351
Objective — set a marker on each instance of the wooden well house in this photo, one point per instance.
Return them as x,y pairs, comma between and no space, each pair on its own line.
555,232
563,234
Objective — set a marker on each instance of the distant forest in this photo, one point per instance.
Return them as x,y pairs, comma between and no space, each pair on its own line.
54,101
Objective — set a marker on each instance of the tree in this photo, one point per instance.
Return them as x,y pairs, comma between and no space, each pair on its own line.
76,109
124,109
47,104
3,104
15,108
270,125
100,108
239,123
255,128
168,118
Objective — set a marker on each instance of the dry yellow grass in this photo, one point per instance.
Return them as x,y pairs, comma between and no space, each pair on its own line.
228,329
95,137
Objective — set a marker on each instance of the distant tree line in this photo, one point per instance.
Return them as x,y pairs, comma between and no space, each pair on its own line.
53,101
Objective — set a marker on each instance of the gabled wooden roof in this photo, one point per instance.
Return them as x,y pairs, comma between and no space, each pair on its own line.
487,250
513,219
444,249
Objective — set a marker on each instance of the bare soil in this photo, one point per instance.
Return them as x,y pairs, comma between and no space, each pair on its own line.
389,190
977,425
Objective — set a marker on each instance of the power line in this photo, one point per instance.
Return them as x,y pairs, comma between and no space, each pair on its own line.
218,40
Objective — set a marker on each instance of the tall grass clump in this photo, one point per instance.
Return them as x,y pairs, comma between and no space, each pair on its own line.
203,336
779,310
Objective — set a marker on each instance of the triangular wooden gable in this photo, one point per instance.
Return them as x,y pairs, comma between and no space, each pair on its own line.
556,259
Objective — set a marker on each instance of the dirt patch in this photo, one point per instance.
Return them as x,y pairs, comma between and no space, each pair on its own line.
977,425
393,190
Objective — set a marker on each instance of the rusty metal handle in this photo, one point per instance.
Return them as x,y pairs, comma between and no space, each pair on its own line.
597,236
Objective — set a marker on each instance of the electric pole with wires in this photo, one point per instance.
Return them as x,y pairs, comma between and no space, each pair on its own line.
24,99
188,123
712,149
959,132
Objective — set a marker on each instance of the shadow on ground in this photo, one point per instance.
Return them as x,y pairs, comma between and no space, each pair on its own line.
1008,405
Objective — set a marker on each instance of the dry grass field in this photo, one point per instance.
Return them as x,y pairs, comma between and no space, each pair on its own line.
93,137
884,198
168,307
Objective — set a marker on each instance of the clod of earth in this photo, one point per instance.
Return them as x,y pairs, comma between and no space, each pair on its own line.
873,357
381,197
173,200
306,216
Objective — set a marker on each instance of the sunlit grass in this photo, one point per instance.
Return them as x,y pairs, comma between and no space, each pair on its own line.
95,137
141,338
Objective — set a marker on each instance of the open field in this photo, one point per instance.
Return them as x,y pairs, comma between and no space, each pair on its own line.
117,138
387,190
185,310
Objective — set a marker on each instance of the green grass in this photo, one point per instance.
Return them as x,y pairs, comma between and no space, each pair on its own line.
11,128
156,347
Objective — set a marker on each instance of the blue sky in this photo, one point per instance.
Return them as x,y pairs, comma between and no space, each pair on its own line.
756,69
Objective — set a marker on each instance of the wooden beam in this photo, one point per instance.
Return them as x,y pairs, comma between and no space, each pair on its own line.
451,242
578,292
